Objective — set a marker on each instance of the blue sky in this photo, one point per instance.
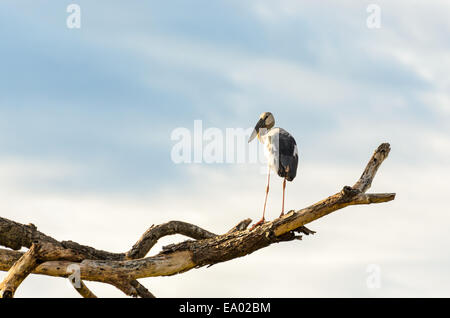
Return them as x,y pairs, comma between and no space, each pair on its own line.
86,116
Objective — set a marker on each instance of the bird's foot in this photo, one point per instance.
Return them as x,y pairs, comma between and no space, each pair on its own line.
282,213
260,222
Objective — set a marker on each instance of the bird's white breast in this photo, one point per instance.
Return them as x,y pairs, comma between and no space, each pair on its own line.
271,148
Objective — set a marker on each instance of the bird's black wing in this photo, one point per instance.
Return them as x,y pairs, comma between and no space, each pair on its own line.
288,155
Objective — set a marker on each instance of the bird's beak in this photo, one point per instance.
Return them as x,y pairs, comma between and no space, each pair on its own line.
259,125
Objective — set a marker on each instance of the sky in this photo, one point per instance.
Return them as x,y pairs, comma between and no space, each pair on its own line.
87,115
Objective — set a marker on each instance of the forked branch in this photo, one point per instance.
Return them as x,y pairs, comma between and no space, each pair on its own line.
48,256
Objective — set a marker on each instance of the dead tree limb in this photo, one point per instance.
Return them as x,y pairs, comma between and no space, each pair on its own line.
154,233
19,271
84,291
123,269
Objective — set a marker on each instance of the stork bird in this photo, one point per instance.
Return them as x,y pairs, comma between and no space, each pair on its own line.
281,153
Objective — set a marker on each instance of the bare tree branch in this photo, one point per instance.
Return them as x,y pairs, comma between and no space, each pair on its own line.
154,233
19,271
123,269
141,290
365,181
84,291
240,226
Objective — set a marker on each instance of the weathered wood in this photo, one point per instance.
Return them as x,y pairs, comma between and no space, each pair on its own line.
123,269
19,271
141,290
154,233
15,235
365,181
84,291
240,226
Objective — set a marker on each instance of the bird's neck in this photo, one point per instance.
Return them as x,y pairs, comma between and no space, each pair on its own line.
262,133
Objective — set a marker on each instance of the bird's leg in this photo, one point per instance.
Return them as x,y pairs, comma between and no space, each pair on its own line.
282,206
267,193
265,202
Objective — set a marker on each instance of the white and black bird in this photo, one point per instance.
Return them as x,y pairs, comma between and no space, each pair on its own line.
280,150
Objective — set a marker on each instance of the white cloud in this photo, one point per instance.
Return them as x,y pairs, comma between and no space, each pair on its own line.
16,171
439,101
283,80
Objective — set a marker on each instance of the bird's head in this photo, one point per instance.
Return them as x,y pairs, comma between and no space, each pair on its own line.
265,122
